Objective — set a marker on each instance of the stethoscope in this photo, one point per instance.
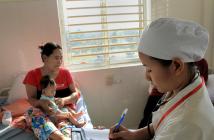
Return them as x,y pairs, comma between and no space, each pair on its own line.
163,101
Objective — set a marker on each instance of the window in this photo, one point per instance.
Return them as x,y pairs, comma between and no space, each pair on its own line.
102,33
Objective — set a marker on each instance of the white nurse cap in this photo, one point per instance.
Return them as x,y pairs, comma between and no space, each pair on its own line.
168,38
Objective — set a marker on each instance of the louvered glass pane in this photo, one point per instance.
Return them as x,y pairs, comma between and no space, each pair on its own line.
131,17
122,2
83,20
82,36
96,59
123,57
83,28
87,3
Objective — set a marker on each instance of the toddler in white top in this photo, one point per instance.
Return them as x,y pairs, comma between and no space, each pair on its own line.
48,87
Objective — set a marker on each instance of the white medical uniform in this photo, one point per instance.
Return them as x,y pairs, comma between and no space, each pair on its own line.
191,119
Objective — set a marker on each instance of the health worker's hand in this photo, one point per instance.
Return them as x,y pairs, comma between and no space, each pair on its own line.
123,134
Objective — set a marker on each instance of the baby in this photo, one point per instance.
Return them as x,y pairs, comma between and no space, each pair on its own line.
48,87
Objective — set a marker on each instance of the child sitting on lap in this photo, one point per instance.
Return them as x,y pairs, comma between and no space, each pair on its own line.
48,87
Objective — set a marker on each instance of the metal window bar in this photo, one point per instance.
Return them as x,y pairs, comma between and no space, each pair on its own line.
93,23
93,31
101,38
101,53
98,15
103,46
98,7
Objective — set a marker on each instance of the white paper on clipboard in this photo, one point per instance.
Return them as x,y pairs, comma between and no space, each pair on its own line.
95,134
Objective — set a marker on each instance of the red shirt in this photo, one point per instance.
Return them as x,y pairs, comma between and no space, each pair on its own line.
63,80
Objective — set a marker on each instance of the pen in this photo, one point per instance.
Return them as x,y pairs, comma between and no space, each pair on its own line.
121,120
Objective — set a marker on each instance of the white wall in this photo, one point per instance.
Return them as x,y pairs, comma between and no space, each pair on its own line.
200,11
208,20
27,23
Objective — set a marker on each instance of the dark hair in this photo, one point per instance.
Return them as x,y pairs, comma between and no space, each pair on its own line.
48,48
45,81
163,62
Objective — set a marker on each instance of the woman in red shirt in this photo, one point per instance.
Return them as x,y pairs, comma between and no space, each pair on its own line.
66,93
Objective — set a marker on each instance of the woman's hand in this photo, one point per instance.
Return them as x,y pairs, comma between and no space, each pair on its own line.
72,99
123,134
60,102
46,106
